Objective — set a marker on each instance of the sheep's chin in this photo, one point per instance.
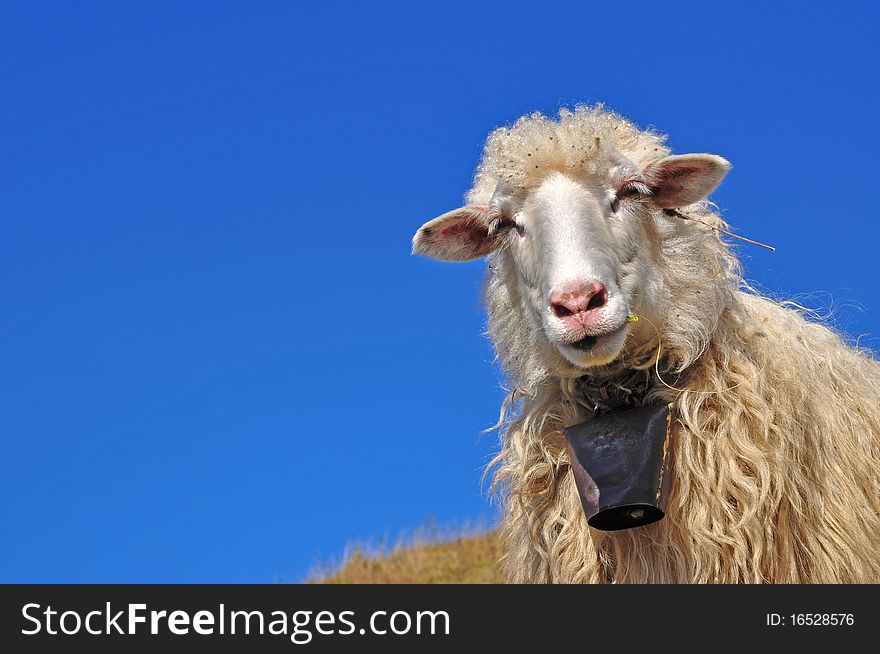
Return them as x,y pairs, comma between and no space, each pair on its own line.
605,350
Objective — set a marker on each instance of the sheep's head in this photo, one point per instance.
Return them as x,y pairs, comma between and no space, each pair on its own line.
573,236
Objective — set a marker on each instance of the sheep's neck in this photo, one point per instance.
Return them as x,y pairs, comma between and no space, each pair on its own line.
624,390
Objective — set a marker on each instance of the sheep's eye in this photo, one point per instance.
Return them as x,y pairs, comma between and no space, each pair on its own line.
632,190
499,223
516,225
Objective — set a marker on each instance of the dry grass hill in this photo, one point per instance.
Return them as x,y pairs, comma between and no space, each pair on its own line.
428,558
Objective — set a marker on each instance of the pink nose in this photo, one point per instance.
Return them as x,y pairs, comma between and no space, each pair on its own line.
578,299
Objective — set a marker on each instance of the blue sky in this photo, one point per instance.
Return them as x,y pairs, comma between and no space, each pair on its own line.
218,360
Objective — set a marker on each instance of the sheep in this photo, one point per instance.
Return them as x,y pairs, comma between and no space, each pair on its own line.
598,294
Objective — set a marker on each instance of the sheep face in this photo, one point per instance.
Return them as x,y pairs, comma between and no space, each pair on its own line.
577,249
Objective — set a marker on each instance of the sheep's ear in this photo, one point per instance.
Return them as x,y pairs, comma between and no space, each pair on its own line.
459,235
683,179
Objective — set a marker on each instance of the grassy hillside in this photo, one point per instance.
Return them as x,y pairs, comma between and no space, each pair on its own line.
425,559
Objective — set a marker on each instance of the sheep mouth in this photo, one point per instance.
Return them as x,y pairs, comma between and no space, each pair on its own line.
588,342
585,344
595,349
